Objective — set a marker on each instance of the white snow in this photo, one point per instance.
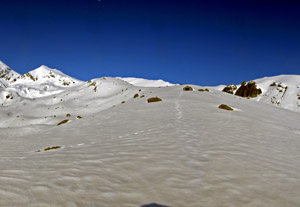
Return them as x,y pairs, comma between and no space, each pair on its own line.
3,65
147,83
180,152
41,82
6,74
285,94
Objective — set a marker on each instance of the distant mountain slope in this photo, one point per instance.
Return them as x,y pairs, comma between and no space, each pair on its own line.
41,82
147,83
44,81
6,74
282,91
43,74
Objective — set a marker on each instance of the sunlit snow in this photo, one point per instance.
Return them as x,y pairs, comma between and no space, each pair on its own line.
115,150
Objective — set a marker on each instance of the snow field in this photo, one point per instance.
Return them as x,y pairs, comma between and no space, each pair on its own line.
183,151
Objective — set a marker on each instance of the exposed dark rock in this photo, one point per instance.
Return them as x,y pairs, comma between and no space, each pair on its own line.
30,76
63,122
5,74
229,89
188,88
52,148
279,85
249,90
203,90
225,107
154,99
154,205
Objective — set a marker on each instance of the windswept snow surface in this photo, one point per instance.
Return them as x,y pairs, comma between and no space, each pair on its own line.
147,83
180,152
67,143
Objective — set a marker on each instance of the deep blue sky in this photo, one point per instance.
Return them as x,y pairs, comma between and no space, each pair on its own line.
205,42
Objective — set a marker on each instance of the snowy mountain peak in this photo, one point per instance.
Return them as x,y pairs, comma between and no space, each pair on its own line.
41,82
44,74
43,68
6,74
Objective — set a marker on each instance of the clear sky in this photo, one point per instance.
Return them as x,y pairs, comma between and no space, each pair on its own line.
204,42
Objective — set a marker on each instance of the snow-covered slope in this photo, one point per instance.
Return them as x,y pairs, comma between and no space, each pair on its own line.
282,91
65,143
147,83
115,150
40,82
6,75
43,81
43,74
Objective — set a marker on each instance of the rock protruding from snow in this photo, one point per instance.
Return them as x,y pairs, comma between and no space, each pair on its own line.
187,88
6,74
248,90
230,88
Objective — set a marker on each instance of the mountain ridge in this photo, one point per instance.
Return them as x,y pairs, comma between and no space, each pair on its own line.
6,74
281,91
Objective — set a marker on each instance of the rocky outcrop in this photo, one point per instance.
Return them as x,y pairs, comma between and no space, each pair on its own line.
154,99
230,88
203,90
248,90
188,88
6,74
225,107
